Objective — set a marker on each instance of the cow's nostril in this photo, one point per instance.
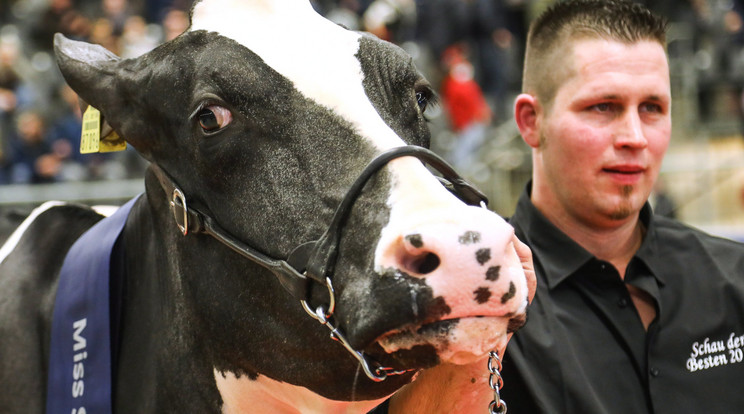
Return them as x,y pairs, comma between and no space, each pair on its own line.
426,263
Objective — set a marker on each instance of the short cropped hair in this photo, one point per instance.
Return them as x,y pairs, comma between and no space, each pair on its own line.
551,37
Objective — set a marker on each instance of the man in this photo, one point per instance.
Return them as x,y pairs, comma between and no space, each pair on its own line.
634,313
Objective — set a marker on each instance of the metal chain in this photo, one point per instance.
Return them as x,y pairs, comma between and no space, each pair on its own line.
497,405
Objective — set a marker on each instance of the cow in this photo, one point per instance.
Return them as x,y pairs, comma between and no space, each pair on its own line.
287,200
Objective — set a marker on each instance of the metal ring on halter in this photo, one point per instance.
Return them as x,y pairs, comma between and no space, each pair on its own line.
377,374
319,314
178,201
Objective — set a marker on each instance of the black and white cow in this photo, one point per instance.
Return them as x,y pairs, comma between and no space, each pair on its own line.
264,114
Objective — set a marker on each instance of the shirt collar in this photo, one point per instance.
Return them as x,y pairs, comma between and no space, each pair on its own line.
648,253
559,255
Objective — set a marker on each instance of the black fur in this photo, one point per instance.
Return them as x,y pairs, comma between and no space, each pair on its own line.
272,178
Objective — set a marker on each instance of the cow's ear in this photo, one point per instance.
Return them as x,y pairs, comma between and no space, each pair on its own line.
89,70
93,73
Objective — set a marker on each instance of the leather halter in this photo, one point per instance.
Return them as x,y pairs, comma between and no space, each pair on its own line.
315,261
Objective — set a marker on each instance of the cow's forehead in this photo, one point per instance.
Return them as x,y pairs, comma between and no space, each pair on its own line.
319,57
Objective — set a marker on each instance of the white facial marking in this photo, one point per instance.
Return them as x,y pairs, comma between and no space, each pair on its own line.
14,238
315,54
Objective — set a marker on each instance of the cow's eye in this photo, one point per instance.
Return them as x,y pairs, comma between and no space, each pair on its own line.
423,100
214,117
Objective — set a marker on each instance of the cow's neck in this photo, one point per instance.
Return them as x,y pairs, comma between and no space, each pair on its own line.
159,367
264,395
162,357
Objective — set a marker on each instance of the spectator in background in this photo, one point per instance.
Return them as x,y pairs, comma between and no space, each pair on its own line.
64,138
10,74
391,20
32,160
102,33
52,20
466,107
345,13
136,40
116,12
10,81
175,22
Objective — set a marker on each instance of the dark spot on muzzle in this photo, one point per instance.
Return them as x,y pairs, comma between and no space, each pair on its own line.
438,308
483,255
510,294
492,273
469,237
415,240
482,294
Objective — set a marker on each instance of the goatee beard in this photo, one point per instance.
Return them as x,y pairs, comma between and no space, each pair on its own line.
625,209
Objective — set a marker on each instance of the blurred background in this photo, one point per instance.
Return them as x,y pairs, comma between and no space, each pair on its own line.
471,51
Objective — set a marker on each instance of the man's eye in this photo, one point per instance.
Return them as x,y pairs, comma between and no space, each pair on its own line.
214,117
651,107
602,107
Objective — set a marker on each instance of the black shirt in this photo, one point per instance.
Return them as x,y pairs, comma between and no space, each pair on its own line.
584,349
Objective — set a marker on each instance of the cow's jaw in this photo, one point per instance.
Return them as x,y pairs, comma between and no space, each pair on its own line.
264,395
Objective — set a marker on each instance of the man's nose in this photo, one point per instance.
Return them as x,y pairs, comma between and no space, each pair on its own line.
630,132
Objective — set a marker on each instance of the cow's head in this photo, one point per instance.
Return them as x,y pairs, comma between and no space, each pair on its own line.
265,113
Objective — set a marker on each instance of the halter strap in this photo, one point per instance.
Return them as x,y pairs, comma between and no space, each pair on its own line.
192,221
316,260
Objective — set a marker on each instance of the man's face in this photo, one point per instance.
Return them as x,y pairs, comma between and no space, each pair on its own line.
605,134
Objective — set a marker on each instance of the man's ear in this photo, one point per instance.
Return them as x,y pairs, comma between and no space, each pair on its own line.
527,113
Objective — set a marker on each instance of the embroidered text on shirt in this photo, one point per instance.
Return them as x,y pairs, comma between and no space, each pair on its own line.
710,354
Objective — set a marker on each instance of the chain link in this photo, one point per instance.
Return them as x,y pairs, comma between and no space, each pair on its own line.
497,405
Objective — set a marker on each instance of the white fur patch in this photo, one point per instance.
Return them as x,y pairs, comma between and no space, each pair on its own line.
14,238
105,210
264,395
469,341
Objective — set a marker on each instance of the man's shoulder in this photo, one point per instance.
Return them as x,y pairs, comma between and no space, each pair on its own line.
691,247
672,230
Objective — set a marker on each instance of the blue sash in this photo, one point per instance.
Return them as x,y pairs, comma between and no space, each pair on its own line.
80,352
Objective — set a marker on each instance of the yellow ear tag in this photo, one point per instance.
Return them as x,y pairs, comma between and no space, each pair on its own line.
91,140
112,142
91,135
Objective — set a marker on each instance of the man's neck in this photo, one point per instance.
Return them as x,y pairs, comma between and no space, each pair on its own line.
615,243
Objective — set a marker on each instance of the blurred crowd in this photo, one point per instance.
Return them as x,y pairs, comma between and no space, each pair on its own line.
471,50
40,117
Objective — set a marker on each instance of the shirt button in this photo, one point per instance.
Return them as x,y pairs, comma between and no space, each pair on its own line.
622,303
654,372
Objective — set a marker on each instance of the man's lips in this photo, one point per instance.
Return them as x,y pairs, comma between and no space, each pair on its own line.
625,173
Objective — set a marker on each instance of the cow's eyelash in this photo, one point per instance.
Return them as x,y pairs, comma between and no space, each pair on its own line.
433,101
